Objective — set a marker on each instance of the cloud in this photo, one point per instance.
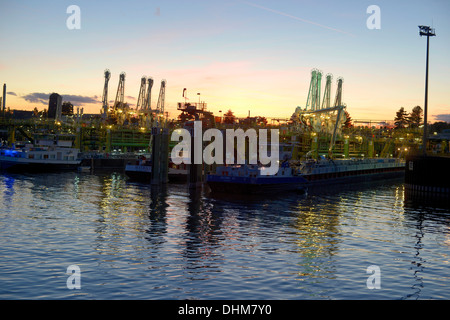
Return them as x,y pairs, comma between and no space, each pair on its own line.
80,99
12,93
38,97
442,117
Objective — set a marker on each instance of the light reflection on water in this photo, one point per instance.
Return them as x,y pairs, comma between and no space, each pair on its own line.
134,241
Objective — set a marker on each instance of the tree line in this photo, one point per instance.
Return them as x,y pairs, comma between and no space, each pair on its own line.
403,119
414,119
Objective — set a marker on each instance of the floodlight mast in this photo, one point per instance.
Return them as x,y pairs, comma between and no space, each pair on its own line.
428,32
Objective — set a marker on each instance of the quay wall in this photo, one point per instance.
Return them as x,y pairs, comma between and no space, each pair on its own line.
427,177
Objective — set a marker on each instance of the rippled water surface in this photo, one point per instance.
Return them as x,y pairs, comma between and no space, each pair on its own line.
134,242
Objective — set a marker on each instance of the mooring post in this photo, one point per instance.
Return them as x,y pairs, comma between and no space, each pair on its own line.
371,148
194,170
346,147
156,151
164,156
315,145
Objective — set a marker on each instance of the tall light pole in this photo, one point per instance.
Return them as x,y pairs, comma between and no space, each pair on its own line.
428,32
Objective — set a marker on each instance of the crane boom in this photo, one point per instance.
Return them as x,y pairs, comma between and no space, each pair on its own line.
120,92
326,96
140,105
105,93
148,98
161,98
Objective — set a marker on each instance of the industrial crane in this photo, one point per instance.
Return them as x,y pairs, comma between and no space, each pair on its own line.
161,100
326,96
120,92
321,115
313,101
119,106
339,107
140,105
105,93
148,98
144,104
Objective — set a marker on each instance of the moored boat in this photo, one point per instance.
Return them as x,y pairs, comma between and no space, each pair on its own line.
178,173
250,179
140,170
30,158
336,170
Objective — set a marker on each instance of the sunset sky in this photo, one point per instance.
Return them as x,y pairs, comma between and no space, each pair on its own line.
245,56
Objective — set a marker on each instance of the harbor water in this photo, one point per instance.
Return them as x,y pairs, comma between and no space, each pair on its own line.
132,241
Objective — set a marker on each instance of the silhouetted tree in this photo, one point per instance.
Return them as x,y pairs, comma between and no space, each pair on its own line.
439,126
348,122
415,117
261,121
401,118
229,117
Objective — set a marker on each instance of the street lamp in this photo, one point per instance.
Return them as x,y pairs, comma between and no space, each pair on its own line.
428,32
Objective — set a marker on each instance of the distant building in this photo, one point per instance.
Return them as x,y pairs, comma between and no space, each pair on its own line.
54,106
67,109
444,135
22,114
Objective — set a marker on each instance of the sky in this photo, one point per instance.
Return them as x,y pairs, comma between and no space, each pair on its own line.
247,56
